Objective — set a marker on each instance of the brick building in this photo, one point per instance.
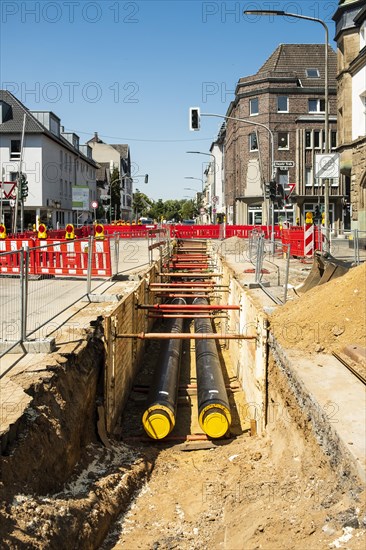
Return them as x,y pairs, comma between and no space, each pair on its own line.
286,96
350,19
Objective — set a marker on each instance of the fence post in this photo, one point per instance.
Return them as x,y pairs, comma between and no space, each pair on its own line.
90,258
286,273
355,239
21,280
259,262
116,251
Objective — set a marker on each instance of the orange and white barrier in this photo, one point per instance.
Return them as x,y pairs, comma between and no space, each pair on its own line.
56,257
71,258
10,262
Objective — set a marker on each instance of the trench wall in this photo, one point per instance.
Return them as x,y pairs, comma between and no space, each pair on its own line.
249,357
124,355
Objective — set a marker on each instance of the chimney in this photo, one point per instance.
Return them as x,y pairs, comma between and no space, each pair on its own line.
96,139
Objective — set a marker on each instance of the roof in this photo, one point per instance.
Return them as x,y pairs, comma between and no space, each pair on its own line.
292,60
121,148
14,124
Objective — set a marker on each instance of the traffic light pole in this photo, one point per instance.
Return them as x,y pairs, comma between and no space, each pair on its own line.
273,168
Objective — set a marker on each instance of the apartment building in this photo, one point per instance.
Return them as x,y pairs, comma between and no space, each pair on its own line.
282,129
350,19
111,156
58,169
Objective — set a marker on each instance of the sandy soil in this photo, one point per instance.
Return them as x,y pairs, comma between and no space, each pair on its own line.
327,317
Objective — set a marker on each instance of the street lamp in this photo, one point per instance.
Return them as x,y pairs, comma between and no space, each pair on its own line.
192,178
214,182
326,101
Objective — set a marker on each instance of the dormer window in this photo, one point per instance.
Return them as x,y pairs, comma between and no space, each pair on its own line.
312,73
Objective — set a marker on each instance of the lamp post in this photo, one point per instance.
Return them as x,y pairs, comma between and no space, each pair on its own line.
214,179
192,178
273,169
282,13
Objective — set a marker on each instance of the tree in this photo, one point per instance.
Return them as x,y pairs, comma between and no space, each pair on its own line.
141,204
188,210
116,192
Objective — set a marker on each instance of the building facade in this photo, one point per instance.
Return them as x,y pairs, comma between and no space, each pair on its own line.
54,162
111,157
350,19
282,129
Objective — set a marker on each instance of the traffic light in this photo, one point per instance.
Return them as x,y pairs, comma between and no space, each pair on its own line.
267,191
317,214
2,231
146,178
23,186
194,118
272,190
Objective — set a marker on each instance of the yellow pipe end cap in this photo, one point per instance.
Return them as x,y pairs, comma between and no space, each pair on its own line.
215,423
157,424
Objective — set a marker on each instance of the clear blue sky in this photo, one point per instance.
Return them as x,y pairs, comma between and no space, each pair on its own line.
130,70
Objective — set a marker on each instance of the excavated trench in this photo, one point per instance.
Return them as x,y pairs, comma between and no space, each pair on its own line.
268,483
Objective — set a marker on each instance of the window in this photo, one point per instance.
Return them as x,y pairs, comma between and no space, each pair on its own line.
253,106
316,105
15,149
308,140
61,187
308,176
283,140
253,142
61,159
282,104
312,73
333,139
316,139
283,177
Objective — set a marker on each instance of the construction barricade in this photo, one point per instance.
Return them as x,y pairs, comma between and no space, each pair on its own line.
10,258
56,257
303,241
70,258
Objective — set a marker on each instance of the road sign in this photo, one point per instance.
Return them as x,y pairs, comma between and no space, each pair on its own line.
9,189
215,200
327,166
94,204
290,187
284,164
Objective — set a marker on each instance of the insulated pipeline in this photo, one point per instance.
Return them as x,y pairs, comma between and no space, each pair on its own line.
213,405
159,417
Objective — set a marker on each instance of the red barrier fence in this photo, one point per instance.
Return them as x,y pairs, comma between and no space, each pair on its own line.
303,241
61,258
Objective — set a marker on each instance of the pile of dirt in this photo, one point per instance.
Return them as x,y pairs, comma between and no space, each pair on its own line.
327,317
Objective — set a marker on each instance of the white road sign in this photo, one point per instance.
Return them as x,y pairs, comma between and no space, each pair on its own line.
284,164
327,166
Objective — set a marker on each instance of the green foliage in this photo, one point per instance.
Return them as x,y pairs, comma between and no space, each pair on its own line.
141,204
116,192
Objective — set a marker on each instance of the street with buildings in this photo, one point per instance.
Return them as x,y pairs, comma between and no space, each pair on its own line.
189,373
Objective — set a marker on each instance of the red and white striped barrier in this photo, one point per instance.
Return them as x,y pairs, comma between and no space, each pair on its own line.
309,241
10,262
70,258
55,257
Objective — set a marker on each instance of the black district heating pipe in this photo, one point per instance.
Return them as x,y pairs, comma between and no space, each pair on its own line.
213,404
159,417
